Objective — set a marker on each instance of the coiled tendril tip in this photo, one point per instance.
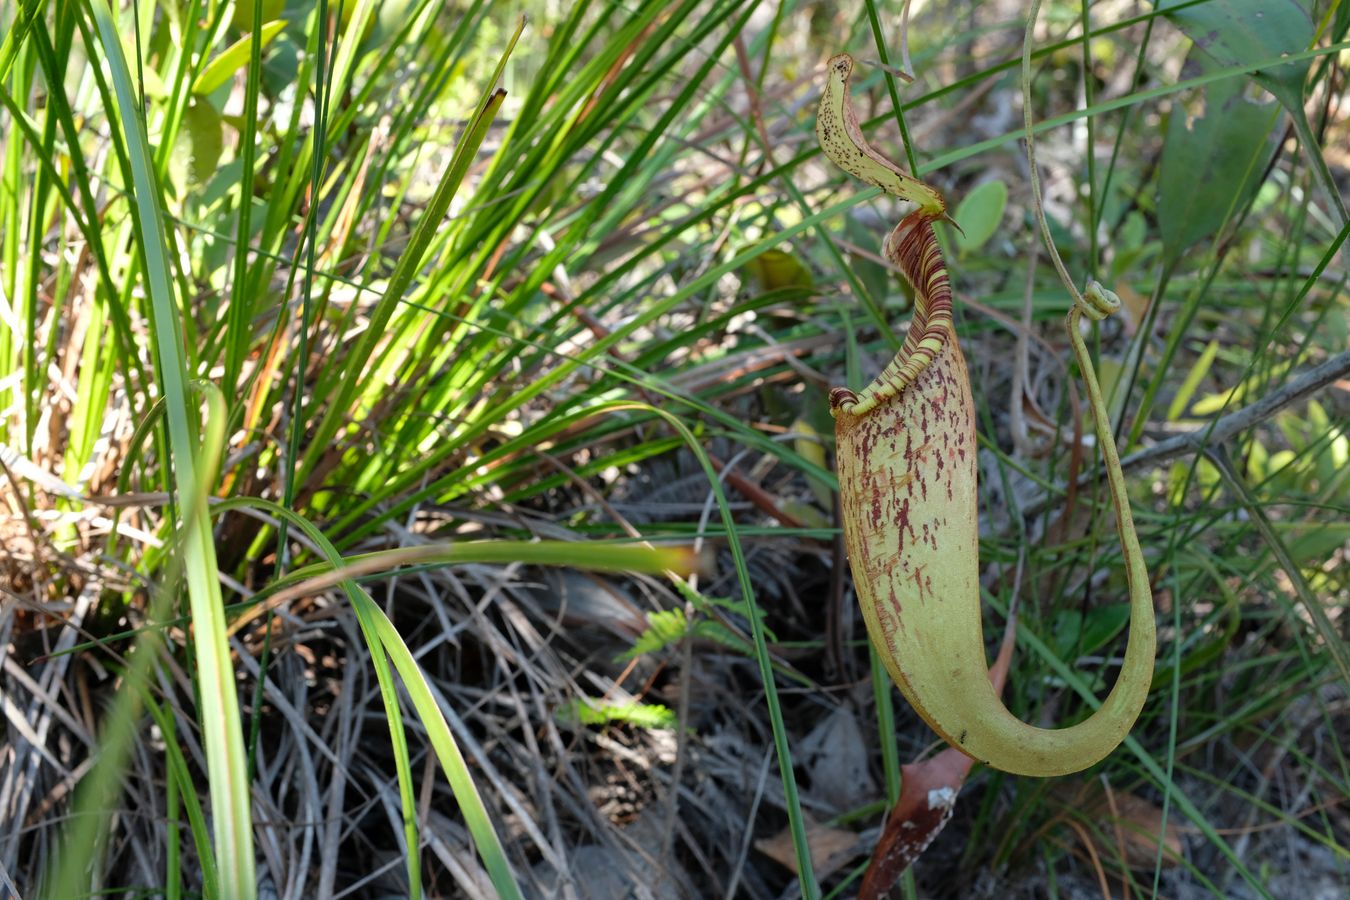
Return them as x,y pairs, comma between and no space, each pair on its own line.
1097,302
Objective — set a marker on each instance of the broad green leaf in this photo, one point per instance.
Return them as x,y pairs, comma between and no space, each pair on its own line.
233,58
979,215
1102,624
1211,166
775,269
1235,32
1239,31
243,13
197,149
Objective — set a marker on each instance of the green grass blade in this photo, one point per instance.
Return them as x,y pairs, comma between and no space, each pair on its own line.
409,262
226,761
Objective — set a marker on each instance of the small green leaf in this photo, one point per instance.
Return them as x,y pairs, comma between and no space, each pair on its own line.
775,269
233,58
664,627
1131,248
979,214
641,715
1068,629
1078,634
1102,624
812,448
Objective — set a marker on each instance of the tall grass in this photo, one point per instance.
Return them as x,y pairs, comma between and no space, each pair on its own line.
323,339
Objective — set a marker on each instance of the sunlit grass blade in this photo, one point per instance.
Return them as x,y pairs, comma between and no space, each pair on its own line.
222,68
409,262
226,761
100,790
594,556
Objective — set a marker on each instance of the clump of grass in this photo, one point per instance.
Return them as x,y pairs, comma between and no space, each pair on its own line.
278,301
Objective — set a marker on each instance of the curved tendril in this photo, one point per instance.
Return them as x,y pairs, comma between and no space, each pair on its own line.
1038,204
1095,303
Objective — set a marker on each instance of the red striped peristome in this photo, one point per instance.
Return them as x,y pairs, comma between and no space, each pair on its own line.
914,248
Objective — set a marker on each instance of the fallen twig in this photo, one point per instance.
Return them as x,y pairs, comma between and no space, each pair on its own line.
1221,429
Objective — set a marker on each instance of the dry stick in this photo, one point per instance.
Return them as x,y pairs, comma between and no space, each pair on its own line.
1292,392
1226,427
1020,395
756,106
904,43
